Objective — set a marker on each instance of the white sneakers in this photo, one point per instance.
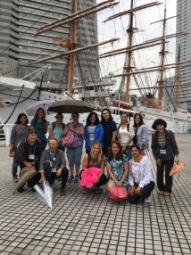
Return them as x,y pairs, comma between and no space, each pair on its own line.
147,200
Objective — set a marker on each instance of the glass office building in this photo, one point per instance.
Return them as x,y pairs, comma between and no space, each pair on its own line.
20,19
183,51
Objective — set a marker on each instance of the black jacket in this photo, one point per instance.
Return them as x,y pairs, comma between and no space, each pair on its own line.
24,149
170,147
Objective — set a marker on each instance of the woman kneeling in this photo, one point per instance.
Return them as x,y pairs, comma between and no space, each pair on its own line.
117,169
140,177
92,161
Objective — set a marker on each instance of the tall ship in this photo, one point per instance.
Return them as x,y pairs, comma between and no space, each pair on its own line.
135,87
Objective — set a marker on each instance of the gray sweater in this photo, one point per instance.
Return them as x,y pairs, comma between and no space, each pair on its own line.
18,134
60,161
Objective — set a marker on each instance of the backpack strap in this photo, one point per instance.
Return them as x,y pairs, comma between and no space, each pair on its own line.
54,125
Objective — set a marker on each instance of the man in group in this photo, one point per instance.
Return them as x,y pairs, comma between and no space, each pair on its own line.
53,165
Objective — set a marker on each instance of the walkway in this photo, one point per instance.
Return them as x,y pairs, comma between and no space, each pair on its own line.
81,224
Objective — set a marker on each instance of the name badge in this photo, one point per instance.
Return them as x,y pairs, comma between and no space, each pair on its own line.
162,151
31,156
53,170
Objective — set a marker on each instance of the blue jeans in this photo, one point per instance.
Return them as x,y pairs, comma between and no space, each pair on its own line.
74,156
14,167
127,152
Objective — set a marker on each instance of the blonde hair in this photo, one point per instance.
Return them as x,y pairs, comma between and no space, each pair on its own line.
100,155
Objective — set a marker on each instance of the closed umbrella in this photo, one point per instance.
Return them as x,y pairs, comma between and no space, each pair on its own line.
44,195
70,106
31,110
25,175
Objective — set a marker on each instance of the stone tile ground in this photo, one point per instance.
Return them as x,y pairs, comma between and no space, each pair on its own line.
81,224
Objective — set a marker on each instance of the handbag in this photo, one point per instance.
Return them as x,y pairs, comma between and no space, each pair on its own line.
67,141
117,193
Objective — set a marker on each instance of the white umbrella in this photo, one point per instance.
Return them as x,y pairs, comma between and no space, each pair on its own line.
31,110
44,195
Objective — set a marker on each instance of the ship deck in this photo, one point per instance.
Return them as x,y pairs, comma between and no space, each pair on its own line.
81,224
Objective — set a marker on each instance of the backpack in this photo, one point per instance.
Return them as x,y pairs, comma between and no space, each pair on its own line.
54,125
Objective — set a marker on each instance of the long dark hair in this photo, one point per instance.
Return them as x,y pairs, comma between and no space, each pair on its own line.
127,120
119,154
97,121
110,116
44,114
141,119
18,121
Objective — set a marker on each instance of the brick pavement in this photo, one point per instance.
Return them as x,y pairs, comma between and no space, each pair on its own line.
81,224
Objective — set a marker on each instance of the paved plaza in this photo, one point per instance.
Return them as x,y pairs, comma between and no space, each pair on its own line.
81,224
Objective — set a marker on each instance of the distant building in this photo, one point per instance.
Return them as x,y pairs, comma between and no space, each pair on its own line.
20,19
183,51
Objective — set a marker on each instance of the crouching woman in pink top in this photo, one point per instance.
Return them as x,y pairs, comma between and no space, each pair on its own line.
140,177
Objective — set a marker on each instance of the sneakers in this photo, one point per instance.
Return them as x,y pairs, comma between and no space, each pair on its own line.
147,200
99,190
62,191
21,190
76,179
71,178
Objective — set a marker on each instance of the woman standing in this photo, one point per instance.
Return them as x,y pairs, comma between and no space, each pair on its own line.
164,149
95,158
140,177
19,131
110,130
117,167
55,130
41,125
93,131
141,133
28,155
125,135
74,152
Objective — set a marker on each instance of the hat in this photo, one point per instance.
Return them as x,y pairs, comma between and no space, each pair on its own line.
58,115
159,122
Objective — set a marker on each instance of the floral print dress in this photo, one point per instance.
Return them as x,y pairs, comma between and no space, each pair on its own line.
117,168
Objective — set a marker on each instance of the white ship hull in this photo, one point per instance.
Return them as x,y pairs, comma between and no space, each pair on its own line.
177,122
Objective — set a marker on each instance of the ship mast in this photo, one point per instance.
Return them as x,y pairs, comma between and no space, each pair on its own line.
131,30
162,53
128,67
72,43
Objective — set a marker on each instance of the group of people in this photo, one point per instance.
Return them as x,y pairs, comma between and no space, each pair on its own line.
120,152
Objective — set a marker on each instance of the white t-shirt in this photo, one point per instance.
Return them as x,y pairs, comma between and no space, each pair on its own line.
125,135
